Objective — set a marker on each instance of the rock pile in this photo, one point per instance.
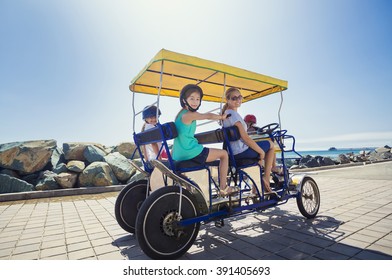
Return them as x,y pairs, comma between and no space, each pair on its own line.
42,165
379,154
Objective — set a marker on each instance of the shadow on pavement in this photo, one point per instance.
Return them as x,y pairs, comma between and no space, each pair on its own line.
272,235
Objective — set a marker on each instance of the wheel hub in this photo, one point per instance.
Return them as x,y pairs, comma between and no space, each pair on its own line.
169,223
308,196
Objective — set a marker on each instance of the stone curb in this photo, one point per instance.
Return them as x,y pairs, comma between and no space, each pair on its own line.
57,193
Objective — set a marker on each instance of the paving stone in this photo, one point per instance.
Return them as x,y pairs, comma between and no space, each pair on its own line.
103,249
102,241
34,255
330,255
371,255
319,242
254,252
111,256
380,249
355,226
344,249
273,257
26,249
292,254
6,252
202,255
77,239
81,254
79,246
53,243
306,248
55,257
53,251
270,246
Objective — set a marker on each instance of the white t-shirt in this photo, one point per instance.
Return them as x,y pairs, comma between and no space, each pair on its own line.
149,150
238,146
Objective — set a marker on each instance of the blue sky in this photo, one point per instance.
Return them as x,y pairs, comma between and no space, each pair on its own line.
66,65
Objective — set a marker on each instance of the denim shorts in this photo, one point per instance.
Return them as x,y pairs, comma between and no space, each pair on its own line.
250,153
202,157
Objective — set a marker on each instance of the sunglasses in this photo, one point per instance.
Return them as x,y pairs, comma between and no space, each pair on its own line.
235,98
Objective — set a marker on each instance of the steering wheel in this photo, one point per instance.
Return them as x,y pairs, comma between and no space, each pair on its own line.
280,133
267,129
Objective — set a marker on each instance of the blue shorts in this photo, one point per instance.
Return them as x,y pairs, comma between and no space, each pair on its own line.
250,153
202,157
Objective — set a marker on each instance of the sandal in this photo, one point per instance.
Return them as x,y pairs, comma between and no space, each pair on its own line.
228,191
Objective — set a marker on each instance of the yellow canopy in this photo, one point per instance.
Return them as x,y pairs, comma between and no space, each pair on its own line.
179,70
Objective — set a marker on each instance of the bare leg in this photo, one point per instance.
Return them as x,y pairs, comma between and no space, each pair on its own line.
269,160
223,157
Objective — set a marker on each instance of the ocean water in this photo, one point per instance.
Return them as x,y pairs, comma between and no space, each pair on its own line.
326,153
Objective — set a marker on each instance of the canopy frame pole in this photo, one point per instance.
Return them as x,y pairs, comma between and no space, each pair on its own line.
205,80
133,110
223,95
280,121
159,90
280,107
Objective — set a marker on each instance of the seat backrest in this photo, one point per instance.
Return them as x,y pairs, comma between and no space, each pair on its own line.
233,134
159,133
210,137
218,135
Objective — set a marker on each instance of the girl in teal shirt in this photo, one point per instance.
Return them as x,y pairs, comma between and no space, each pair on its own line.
186,146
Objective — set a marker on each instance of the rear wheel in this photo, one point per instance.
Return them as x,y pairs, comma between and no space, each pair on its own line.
308,199
128,203
157,229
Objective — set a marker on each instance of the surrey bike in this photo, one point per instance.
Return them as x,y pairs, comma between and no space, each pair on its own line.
167,205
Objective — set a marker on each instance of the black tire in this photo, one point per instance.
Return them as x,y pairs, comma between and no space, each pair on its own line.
156,231
128,203
308,198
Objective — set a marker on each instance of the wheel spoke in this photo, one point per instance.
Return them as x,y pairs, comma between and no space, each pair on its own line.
309,201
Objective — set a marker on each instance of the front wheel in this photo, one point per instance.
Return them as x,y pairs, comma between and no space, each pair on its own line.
308,198
157,229
128,203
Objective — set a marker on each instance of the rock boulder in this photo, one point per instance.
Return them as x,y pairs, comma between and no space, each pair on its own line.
97,174
66,180
343,159
120,165
47,181
10,184
93,153
75,150
76,166
27,157
126,149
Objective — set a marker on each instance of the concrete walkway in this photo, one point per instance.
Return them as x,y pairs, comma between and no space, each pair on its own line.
354,222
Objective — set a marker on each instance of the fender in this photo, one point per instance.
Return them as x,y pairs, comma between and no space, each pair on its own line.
297,179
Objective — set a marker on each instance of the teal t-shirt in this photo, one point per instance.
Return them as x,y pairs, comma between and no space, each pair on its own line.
185,145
